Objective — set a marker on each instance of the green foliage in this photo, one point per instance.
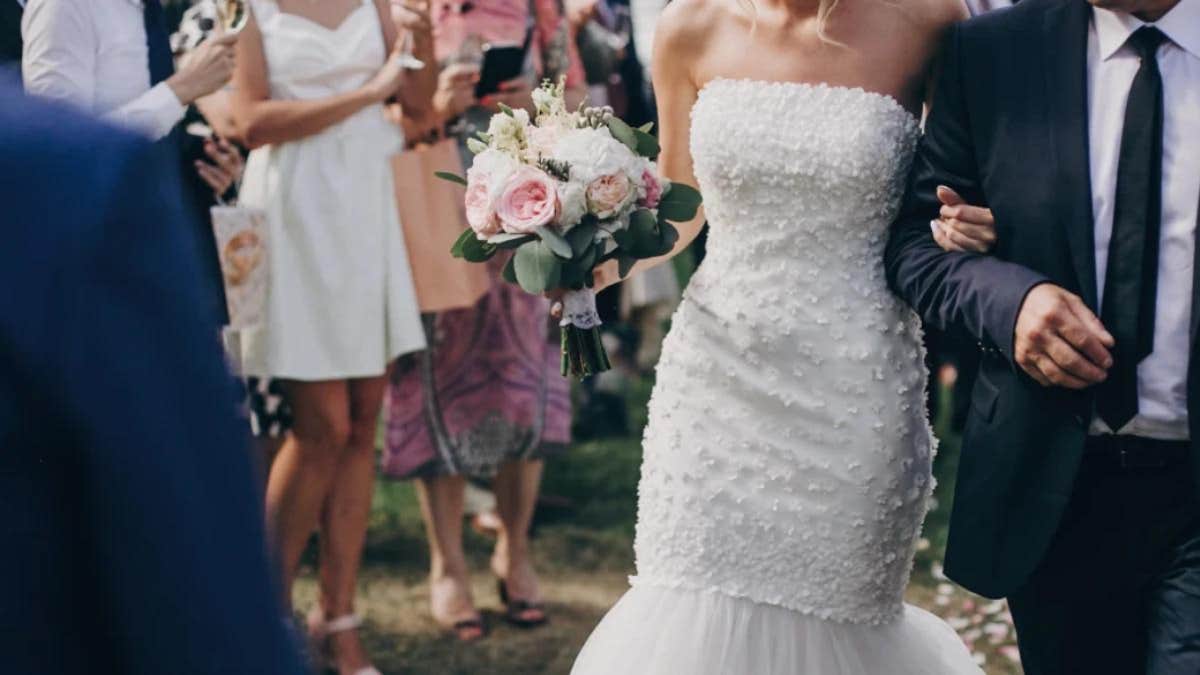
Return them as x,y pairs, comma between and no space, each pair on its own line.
680,203
452,177
582,235
537,268
647,145
555,168
623,132
509,273
506,241
555,242
473,250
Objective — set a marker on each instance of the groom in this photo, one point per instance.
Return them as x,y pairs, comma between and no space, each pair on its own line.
1079,126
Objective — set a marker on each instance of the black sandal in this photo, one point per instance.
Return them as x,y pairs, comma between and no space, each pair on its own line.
460,628
514,609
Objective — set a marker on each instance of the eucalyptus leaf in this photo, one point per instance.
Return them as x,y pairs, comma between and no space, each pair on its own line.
622,239
452,177
625,265
508,240
457,249
680,203
647,145
506,110
556,242
509,273
646,128
668,237
536,267
643,237
474,250
623,132
587,260
581,236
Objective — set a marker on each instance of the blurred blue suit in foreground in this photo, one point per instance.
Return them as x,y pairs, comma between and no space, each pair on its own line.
132,538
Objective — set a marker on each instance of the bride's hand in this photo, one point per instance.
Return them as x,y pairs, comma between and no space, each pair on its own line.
603,276
962,227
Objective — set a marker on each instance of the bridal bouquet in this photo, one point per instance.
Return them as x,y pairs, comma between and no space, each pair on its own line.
567,191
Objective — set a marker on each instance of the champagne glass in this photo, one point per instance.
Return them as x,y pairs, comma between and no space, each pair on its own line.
404,55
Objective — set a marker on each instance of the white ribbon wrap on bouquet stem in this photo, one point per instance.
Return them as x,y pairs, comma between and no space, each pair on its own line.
579,309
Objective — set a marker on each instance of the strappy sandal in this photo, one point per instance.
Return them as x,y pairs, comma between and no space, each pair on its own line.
514,609
462,630
319,633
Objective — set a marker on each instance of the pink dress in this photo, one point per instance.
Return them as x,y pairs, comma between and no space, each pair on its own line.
488,388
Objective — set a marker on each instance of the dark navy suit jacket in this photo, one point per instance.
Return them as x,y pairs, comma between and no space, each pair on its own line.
1008,129
131,529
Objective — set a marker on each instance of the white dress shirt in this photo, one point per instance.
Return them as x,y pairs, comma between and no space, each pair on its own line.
93,54
1112,64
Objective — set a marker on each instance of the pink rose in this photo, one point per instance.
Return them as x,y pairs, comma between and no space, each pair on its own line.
654,190
607,195
530,201
481,215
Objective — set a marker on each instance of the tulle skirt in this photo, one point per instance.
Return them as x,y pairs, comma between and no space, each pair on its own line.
670,631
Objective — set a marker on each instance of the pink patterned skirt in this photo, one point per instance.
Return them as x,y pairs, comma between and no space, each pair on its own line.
487,391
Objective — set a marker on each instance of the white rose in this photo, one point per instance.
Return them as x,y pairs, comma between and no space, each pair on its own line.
592,153
493,167
573,201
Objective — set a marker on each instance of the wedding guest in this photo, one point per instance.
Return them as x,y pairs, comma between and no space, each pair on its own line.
120,555
112,58
1078,492
309,92
486,399
192,24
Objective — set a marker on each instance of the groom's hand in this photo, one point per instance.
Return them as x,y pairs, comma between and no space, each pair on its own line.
1059,341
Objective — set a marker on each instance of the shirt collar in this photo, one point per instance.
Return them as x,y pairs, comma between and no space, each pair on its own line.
1181,25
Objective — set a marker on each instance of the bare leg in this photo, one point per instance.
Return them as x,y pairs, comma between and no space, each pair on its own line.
303,472
344,519
266,449
441,500
516,488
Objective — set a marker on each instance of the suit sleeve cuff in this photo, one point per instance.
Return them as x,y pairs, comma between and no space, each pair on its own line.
1009,308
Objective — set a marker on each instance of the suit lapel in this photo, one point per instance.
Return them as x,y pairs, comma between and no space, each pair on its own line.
1064,53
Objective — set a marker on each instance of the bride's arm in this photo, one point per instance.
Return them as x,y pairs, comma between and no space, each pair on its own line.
259,120
675,49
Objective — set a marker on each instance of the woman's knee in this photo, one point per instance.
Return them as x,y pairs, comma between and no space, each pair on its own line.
363,428
328,434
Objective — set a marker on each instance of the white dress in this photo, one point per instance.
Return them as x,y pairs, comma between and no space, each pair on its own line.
787,458
340,302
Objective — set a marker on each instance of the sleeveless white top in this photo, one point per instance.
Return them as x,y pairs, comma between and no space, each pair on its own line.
341,302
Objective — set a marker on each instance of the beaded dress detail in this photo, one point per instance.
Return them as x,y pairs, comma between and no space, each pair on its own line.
787,460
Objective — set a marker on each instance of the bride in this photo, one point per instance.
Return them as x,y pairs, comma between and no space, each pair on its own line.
787,458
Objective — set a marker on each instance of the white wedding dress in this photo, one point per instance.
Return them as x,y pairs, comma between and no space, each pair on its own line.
787,458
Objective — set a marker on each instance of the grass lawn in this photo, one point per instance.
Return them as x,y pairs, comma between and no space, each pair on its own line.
584,555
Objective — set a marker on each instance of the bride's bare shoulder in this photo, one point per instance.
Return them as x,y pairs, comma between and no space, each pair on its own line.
685,25
938,15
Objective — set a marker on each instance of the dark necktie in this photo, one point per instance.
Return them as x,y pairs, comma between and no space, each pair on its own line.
1131,283
158,42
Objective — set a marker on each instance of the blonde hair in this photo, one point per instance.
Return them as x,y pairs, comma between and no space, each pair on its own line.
824,10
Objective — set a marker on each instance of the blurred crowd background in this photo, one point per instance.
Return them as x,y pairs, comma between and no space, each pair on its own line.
496,499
